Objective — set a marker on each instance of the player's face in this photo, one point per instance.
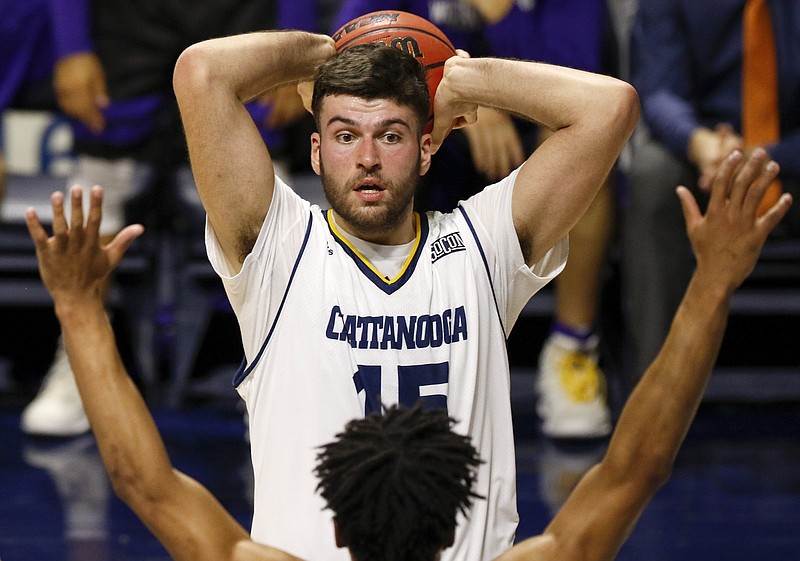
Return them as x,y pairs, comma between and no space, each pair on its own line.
370,158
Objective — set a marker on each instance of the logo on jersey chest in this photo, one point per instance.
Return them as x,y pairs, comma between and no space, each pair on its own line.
398,332
446,245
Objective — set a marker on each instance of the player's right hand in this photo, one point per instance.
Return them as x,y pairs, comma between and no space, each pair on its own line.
448,111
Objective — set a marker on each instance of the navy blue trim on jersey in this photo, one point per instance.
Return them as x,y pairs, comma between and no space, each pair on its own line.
244,370
485,264
389,287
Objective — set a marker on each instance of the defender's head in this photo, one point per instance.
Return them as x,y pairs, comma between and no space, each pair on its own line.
396,482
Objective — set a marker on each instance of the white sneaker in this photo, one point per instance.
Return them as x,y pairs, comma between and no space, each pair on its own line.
572,390
57,410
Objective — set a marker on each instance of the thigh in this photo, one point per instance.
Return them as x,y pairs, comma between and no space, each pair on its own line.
653,175
656,257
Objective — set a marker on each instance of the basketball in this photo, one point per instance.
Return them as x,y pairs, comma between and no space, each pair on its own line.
408,32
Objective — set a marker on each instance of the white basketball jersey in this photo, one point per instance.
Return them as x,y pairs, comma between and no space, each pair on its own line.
328,339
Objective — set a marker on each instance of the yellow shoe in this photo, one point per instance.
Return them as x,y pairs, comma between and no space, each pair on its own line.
572,390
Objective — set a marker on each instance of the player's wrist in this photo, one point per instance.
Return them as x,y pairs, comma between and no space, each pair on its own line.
710,289
70,307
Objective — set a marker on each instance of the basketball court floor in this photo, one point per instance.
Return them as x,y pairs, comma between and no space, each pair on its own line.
734,494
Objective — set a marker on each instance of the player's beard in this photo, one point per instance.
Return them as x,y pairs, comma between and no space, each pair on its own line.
367,218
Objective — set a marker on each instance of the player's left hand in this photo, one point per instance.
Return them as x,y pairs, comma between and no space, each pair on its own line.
72,262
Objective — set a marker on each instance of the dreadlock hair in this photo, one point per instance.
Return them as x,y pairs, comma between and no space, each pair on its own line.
396,482
373,71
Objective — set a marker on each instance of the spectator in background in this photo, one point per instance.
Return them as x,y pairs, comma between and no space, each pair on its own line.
26,60
687,62
113,78
576,33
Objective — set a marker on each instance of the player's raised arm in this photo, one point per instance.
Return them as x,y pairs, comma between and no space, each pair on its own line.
180,512
592,116
232,168
604,507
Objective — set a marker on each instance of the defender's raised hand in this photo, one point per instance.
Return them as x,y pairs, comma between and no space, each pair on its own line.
72,262
727,240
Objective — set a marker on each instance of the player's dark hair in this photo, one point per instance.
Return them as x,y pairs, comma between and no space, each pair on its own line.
395,483
374,71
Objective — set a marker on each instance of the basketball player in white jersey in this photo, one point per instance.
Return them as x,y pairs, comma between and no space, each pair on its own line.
396,483
369,302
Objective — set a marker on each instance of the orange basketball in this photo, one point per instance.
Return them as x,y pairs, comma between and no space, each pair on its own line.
413,34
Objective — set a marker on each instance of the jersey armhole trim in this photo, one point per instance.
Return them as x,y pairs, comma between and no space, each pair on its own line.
245,369
463,212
